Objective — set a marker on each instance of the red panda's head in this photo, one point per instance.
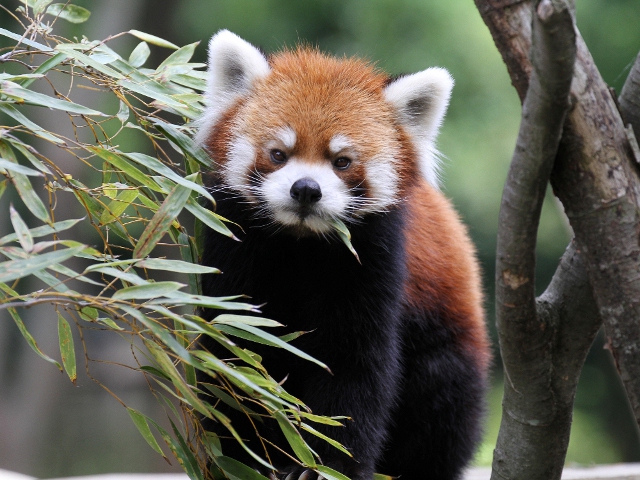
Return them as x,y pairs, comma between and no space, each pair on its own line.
308,138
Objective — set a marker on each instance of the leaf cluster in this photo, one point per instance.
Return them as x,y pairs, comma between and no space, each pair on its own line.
136,202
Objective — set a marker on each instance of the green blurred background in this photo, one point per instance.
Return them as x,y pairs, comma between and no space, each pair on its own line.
48,428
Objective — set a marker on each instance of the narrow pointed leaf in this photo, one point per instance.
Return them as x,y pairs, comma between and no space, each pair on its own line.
345,236
44,230
148,290
67,350
21,229
237,469
20,118
17,168
182,55
140,421
331,474
209,218
26,41
47,65
69,12
21,268
161,221
175,266
123,112
119,162
160,42
298,445
16,91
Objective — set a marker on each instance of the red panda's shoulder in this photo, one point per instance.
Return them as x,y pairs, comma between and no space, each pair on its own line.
443,271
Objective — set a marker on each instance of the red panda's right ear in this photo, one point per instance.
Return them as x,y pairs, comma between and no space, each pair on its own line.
234,66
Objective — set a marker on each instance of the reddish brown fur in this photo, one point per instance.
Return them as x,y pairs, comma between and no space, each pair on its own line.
443,271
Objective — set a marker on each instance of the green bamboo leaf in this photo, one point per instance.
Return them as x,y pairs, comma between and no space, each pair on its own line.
330,441
156,165
148,290
323,420
118,205
14,269
88,314
16,167
194,469
109,323
29,197
379,476
67,350
92,61
131,171
182,298
345,235
175,266
209,218
43,230
20,118
25,150
26,41
152,39
38,5
21,229
14,90
166,365
161,221
190,80
298,445
123,112
139,55
45,66
187,144
239,470
331,474
140,421
69,12
182,55
275,341
27,336
3,187
247,320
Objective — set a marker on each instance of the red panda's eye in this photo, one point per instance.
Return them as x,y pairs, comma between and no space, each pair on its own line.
342,163
278,156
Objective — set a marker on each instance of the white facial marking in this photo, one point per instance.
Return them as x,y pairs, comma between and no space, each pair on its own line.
287,136
276,190
339,143
241,161
382,179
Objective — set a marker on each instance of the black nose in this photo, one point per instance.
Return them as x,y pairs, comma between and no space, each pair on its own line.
306,191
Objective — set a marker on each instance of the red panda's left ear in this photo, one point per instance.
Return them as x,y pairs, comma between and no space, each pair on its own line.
420,101
234,66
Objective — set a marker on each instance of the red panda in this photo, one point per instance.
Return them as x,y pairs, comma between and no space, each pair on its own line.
301,139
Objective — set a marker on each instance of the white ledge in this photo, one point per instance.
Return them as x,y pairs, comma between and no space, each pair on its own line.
621,471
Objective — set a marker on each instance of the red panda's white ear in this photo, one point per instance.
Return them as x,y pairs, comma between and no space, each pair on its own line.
420,101
234,66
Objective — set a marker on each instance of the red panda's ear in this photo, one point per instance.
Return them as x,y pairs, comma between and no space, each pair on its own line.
420,101
234,66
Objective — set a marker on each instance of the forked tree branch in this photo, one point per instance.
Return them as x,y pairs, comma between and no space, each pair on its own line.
596,178
536,418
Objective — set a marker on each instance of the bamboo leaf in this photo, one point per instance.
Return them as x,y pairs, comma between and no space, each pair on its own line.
20,118
156,165
67,350
28,337
25,150
118,205
209,218
21,268
69,12
298,445
39,6
43,230
237,469
175,266
345,235
92,62
17,168
330,441
29,197
147,290
119,162
331,474
182,55
139,55
14,90
140,421
26,41
187,144
21,229
123,112
47,65
247,320
152,39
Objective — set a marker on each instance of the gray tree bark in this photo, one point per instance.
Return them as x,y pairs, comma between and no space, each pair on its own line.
544,343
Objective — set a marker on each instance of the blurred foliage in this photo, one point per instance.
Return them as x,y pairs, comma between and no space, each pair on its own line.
477,137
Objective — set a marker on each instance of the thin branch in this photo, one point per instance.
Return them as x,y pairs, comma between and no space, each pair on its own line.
630,98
